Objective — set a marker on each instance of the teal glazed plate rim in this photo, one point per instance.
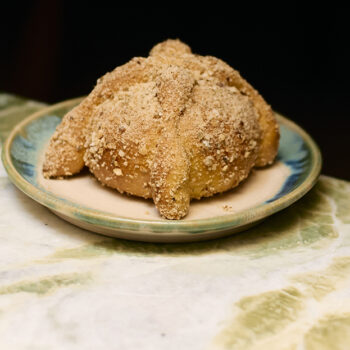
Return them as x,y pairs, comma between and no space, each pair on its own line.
22,149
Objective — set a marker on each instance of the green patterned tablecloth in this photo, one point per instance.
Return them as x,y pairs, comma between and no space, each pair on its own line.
284,285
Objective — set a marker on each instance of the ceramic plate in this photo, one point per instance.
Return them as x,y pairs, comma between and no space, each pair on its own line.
105,211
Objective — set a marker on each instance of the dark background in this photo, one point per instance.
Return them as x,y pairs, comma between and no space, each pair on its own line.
297,59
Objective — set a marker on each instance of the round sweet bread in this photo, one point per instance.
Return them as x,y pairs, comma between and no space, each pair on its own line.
172,126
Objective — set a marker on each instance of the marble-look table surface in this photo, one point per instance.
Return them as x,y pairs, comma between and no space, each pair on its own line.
283,285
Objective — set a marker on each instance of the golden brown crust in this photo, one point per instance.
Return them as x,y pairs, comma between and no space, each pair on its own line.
65,152
171,127
212,68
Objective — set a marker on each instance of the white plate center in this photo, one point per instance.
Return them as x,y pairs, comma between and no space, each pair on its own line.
84,189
